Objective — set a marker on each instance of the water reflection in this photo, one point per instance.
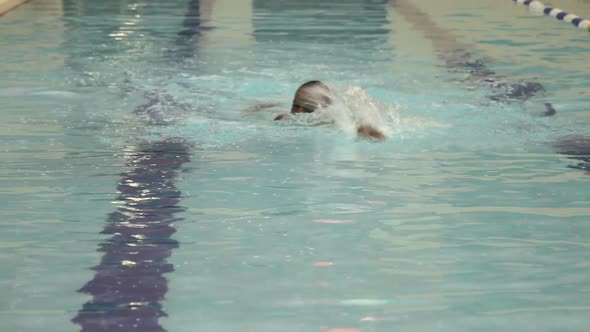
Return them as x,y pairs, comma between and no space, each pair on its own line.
187,38
315,22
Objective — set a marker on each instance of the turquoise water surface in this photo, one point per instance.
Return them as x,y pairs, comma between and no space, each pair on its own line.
137,195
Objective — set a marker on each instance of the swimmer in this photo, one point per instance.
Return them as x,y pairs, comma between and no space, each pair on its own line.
314,95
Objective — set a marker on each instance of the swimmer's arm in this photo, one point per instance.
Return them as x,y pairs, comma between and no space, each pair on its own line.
259,108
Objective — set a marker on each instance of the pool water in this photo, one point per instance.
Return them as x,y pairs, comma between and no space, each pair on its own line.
138,195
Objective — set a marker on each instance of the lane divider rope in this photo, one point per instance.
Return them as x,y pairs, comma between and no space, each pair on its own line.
557,13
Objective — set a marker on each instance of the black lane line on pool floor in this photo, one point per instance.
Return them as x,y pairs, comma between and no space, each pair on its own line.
129,283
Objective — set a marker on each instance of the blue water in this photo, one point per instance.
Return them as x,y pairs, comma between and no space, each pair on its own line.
137,194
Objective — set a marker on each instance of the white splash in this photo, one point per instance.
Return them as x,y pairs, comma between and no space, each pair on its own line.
354,108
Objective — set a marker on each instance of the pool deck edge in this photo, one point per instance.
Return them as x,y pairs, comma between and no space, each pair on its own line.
8,5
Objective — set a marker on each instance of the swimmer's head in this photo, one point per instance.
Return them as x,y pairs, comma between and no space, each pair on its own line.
310,96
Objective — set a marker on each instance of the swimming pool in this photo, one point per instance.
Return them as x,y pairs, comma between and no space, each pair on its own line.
137,196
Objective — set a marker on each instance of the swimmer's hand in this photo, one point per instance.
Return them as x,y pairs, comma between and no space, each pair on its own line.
370,133
280,117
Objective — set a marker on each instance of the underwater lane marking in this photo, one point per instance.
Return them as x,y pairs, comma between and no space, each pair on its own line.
129,285
557,13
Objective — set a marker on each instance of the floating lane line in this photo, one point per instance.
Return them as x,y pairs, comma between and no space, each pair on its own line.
557,13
